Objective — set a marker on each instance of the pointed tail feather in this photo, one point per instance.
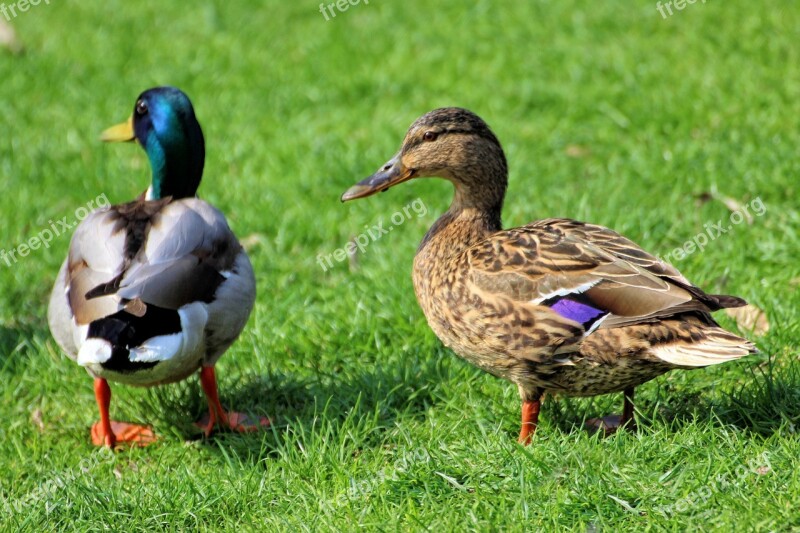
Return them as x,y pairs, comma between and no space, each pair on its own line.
718,346
725,301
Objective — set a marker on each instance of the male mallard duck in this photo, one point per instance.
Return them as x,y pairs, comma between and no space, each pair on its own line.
557,306
157,288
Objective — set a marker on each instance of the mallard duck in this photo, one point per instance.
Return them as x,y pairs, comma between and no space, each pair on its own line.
157,288
557,306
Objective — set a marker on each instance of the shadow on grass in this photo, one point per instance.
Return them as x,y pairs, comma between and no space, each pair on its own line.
14,338
369,400
328,406
765,404
765,400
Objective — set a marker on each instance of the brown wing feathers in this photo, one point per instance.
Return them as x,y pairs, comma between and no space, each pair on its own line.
555,258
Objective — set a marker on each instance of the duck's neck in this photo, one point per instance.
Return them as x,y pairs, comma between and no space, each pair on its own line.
456,230
177,166
175,180
474,214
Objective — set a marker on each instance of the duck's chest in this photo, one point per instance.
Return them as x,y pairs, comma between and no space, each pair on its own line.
457,312
454,312
441,293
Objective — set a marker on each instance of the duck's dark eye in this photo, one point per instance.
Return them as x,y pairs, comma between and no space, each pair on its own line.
430,136
141,107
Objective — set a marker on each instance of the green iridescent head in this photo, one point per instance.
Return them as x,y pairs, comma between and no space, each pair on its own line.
164,124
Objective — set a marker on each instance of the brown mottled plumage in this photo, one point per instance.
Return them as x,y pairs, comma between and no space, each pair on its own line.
556,306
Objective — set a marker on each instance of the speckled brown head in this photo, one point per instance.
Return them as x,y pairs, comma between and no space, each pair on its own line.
450,143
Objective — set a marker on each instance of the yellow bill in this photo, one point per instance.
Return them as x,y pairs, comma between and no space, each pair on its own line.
119,133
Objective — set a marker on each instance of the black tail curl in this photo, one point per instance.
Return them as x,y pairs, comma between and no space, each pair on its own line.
124,330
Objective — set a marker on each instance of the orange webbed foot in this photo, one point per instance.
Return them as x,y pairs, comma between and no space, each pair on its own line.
123,433
232,421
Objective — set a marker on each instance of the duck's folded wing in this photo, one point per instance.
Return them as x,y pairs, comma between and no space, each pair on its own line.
168,257
558,280
628,251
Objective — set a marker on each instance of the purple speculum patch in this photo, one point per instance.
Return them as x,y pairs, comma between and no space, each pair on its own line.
577,311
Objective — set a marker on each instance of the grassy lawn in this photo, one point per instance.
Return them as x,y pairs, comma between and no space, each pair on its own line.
608,113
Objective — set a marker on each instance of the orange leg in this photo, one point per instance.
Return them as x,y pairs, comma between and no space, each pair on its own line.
110,433
217,414
102,393
530,419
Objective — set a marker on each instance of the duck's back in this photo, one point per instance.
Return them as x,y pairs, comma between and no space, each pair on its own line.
153,259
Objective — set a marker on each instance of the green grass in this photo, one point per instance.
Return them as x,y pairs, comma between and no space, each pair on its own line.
376,424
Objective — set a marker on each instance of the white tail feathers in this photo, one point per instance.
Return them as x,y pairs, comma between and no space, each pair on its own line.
155,349
94,351
717,347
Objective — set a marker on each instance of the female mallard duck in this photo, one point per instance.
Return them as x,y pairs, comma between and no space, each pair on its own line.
557,306
157,288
